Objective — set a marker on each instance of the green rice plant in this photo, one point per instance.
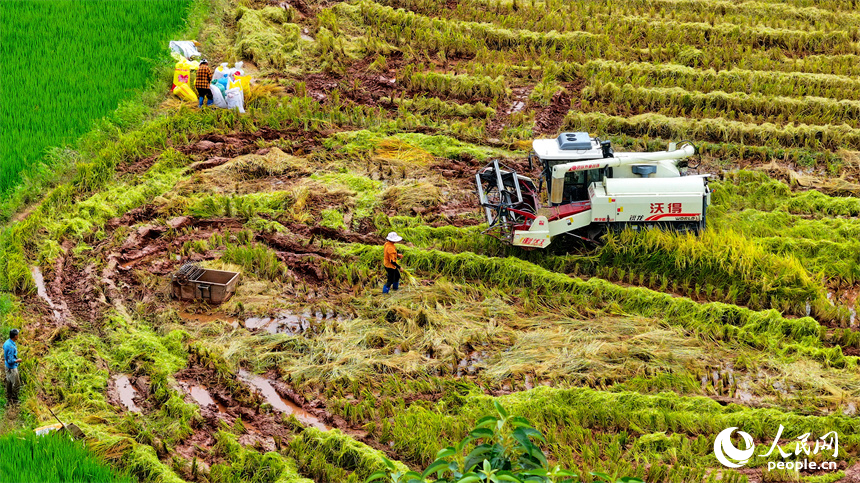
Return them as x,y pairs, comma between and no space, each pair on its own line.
246,206
42,115
244,465
574,419
751,189
727,260
366,142
543,92
715,259
327,454
332,219
363,191
258,260
506,453
55,457
734,153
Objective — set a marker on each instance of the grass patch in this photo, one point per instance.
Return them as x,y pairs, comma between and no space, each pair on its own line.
25,457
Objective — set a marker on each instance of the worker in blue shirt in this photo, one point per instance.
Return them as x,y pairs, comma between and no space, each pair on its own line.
10,357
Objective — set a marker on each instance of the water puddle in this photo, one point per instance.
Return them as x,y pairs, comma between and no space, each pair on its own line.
528,383
850,410
517,106
288,322
284,405
852,321
743,393
209,318
307,37
783,389
201,396
468,365
42,292
126,393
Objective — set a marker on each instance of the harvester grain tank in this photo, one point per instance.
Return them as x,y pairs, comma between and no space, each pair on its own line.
591,189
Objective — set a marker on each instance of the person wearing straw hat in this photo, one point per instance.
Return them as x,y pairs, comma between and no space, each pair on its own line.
390,258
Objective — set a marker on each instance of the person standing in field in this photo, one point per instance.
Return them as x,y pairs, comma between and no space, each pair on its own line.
389,260
204,78
10,356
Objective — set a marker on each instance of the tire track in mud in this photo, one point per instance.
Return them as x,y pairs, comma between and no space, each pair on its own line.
263,429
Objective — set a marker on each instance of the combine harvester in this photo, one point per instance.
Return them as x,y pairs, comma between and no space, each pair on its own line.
592,190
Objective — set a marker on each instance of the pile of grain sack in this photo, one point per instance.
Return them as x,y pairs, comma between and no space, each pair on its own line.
229,85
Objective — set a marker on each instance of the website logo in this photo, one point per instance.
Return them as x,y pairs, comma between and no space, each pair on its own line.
732,457
725,450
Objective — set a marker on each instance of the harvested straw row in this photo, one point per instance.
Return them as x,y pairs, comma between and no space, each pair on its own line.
642,31
434,105
755,189
767,329
770,83
395,24
757,108
716,130
462,86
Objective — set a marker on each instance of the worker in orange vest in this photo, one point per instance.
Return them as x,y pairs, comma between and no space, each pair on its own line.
390,257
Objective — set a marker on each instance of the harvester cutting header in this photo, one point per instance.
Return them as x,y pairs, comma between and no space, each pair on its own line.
591,190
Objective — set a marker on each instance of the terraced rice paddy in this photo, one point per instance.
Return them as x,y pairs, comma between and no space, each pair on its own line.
372,116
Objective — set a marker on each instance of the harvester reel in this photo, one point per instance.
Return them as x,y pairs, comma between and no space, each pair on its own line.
499,191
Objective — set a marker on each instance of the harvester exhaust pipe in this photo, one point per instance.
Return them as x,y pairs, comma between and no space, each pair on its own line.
560,170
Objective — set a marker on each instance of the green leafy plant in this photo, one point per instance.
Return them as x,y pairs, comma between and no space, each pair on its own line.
506,452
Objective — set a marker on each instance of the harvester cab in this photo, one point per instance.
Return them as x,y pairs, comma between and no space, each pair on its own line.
591,189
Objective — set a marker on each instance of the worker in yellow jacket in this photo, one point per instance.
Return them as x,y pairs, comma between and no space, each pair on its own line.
390,257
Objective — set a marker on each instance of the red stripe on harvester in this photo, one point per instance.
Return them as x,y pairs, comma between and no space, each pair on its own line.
657,217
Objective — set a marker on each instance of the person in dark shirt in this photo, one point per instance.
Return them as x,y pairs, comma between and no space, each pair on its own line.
204,78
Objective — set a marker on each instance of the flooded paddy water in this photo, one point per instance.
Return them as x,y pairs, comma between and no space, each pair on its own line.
265,387
126,392
42,292
284,322
202,396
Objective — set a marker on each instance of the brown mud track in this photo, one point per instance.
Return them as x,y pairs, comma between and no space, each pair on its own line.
88,291
264,429
139,167
551,118
358,84
239,143
219,148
